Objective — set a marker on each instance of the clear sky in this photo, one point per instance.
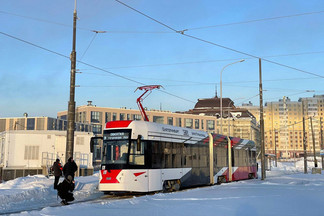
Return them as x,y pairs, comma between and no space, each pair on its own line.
143,51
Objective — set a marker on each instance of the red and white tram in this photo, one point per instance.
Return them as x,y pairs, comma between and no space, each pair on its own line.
141,156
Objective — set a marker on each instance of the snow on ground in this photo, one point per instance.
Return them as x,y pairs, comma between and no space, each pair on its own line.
286,191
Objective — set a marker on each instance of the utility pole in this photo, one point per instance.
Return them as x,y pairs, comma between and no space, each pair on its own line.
71,105
314,152
285,123
263,176
304,141
275,134
322,145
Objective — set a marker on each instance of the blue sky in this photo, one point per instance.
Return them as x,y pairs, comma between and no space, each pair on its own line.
37,81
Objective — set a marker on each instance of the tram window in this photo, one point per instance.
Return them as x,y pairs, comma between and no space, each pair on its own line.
156,155
136,157
115,152
167,155
176,155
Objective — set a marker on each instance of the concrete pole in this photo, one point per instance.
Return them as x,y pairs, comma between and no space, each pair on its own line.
263,174
304,141
314,152
71,105
322,147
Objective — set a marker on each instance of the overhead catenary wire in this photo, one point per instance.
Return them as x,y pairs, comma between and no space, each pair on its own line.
182,32
106,71
159,32
207,61
255,20
90,65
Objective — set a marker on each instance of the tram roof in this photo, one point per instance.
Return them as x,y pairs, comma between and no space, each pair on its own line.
163,132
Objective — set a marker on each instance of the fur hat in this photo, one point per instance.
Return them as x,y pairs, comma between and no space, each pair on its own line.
69,178
57,160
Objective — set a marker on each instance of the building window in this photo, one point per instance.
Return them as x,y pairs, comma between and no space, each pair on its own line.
196,123
30,124
97,129
158,119
80,141
178,122
40,124
210,124
64,117
31,152
170,120
60,125
96,117
107,117
114,117
202,124
128,117
136,117
188,123
51,124
122,116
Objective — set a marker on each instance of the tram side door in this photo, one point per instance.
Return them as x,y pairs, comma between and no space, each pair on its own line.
155,179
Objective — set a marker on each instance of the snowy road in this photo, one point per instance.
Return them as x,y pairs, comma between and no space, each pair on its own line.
286,191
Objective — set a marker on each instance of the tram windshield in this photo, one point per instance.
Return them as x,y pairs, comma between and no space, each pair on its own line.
115,147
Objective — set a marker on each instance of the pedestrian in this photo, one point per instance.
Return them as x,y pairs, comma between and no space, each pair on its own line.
70,168
65,189
57,169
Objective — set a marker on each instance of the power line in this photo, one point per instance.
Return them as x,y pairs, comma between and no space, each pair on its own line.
193,83
82,28
42,20
182,32
120,76
95,35
208,61
256,20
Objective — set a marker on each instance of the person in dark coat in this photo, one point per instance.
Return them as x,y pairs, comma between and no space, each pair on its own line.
70,168
65,189
57,169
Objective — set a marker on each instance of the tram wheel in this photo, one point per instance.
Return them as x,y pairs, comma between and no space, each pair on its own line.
171,185
221,179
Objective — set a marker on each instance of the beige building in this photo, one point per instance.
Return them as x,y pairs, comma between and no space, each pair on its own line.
98,116
239,122
39,123
283,125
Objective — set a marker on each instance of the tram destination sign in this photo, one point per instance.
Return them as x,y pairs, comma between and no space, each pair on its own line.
116,136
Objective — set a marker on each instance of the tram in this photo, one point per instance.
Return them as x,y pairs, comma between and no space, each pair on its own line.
142,156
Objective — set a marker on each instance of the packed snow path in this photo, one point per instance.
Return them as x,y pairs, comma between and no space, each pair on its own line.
286,191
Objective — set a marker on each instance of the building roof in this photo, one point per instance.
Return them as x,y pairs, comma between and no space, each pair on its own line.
211,107
208,103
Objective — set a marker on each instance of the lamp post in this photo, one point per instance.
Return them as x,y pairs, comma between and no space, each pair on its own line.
221,94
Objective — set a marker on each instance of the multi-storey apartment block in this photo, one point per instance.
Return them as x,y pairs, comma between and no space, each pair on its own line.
283,125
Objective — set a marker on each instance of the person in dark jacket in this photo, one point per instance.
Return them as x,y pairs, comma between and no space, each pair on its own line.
70,168
57,169
65,189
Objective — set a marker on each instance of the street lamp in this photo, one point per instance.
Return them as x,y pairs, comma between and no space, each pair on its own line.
221,95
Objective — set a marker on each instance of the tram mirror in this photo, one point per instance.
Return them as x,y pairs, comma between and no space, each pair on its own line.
139,140
93,142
